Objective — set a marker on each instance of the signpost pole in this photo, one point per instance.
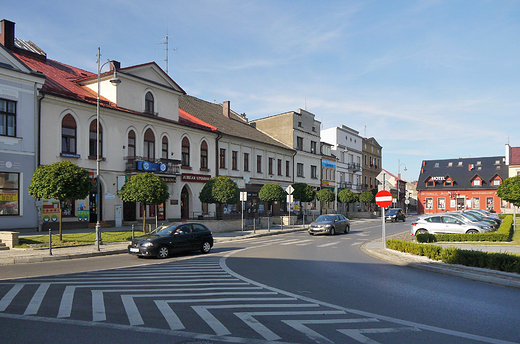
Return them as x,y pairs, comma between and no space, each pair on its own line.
384,229
384,199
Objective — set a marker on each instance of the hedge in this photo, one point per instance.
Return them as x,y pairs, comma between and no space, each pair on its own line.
504,233
495,261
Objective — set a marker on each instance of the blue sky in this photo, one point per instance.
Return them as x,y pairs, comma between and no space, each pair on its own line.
427,79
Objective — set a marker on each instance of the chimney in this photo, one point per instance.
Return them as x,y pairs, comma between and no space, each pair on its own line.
115,64
225,108
7,35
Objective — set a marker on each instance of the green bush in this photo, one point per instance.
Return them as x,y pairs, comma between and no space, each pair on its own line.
495,261
427,237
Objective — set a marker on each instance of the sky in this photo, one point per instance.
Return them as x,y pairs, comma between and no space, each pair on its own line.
428,79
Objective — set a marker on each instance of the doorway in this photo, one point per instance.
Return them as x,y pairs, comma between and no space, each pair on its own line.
185,203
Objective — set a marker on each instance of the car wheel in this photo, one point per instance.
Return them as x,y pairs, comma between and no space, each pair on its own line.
421,231
472,231
163,252
404,219
206,247
332,231
347,229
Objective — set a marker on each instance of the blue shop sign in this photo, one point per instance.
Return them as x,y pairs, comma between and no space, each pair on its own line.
327,163
152,166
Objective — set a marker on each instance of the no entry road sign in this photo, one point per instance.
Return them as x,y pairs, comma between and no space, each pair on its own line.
384,198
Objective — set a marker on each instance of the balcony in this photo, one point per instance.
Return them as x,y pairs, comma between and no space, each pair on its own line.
354,167
160,166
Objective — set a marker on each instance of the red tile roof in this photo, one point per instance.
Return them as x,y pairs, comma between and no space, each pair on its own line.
62,80
514,156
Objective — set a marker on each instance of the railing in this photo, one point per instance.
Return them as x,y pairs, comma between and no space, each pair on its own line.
353,167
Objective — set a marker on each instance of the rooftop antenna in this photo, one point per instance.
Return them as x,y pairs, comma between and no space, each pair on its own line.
166,41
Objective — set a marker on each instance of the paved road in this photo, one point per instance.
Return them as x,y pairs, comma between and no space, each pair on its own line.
290,288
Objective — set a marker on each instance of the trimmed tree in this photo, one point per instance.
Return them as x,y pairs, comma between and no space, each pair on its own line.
146,188
325,195
366,197
348,196
509,190
220,190
303,192
271,192
61,181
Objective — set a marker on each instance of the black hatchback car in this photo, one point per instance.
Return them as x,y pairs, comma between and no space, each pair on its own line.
395,214
174,238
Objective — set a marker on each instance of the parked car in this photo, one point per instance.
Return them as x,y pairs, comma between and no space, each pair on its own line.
173,238
445,223
395,214
471,219
496,221
329,224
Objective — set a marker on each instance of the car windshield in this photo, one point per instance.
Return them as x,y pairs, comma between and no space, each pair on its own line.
392,211
325,218
166,231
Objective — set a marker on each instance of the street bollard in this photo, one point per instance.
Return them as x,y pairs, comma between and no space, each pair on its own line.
50,241
268,223
133,232
254,225
281,223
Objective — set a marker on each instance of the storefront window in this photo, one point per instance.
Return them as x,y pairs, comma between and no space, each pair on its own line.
490,204
475,202
67,208
9,194
441,203
429,203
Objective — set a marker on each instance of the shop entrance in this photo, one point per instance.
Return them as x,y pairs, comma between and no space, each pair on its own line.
185,203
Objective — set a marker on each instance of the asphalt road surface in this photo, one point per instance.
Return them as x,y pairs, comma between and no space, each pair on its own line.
291,288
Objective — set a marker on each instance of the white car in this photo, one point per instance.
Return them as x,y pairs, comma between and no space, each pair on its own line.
440,224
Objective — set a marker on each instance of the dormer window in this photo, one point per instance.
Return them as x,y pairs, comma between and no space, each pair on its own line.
476,182
460,163
436,164
149,103
450,164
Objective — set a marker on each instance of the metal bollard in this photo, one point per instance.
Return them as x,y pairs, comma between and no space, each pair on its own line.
254,225
50,241
133,232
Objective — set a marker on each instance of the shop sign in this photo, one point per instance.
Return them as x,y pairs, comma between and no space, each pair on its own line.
169,179
327,163
197,178
148,166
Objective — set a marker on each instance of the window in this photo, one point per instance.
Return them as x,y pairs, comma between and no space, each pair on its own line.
204,156
234,160
149,145
448,182
222,157
131,144
299,170
149,103
314,129
430,183
299,124
68,135
496,181
279,167
441,203
299,143
313,148
429,205
185,158
9,194
271,165
287,168
476,182
7,118
450,164
475,201
92,152
314,172
460,164
246,162
67,208
259,164
164,148
437,164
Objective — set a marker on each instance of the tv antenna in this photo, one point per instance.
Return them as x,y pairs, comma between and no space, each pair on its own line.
166,42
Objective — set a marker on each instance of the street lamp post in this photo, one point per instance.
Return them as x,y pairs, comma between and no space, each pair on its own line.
114,81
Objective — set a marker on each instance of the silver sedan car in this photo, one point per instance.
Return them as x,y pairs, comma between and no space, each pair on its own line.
439,224
329,224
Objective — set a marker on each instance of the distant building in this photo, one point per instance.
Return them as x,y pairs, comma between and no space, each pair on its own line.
372,163
456,184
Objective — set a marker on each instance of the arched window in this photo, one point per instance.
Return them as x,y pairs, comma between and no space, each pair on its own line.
92,151
149,103
68,135
131,144
204,155
149,145
164,148
185,152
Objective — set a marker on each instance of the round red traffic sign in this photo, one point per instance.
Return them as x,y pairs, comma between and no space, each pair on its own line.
384,198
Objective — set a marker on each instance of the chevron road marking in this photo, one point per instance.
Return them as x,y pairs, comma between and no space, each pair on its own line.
357,334
248,318
299,325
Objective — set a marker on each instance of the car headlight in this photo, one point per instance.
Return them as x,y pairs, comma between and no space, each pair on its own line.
147,244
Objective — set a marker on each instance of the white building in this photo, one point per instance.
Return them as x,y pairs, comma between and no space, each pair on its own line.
347,146
19,87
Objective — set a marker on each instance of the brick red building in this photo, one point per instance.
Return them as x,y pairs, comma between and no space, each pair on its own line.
455,184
